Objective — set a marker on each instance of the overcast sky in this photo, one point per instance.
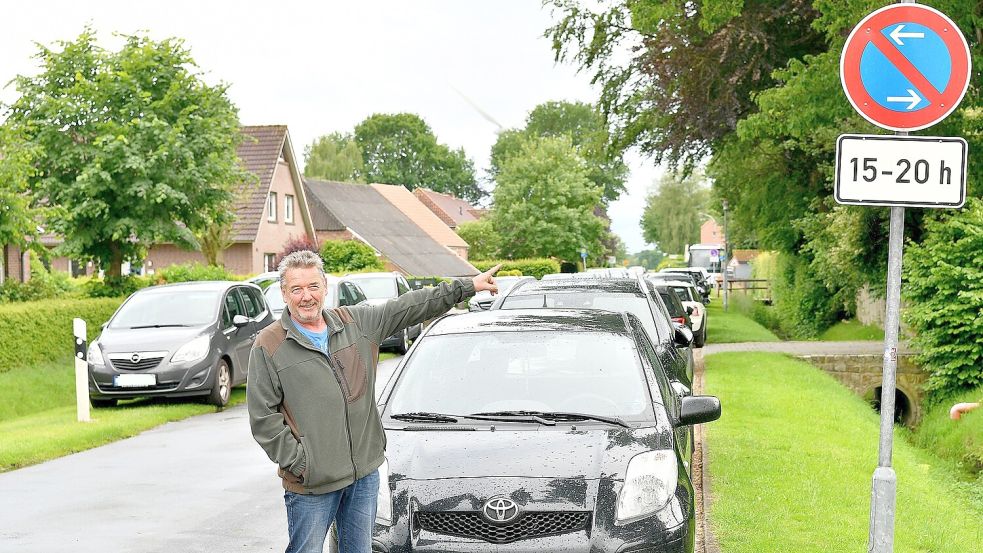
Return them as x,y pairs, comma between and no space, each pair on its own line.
324,66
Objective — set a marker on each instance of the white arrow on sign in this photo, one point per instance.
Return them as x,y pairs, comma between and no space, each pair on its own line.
897,35
912,97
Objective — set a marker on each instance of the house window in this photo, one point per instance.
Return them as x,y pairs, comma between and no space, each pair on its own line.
288,209
269,262
271,207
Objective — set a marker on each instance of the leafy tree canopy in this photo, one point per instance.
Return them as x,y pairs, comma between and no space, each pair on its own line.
674,212
401,149
336,157
585,128
544,202
480,235
133,146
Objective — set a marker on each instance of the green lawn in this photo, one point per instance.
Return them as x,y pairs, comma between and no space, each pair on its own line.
851,330
730,326
791,461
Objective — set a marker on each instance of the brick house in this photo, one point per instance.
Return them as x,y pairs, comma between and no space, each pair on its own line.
269,211
452,210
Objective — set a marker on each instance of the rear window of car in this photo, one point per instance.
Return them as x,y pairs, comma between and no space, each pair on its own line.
585,372
376,288
684,293
637,305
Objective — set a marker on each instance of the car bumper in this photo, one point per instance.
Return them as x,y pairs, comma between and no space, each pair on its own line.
172,380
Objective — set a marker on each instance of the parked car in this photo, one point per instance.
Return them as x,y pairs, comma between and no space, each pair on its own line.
693,279
697,311
614,294
380,288
177,340
536,430
483,300
702,279
340,292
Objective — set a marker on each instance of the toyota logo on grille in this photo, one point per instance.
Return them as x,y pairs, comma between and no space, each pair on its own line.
500,510
135,358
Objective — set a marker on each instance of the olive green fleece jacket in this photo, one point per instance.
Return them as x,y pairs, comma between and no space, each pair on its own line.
315,415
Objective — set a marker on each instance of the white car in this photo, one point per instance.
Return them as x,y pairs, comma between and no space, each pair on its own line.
691,300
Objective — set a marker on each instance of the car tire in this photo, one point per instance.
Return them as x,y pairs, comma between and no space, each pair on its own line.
404,342
102,403
222,386
701,338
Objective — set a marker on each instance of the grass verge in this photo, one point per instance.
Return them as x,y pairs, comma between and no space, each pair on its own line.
38,437
724,327
791,461
851,330
962,440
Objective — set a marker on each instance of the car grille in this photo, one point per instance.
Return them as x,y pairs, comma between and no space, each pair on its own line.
143,364
530,525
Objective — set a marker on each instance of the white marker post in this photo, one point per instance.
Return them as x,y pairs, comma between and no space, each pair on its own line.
81,370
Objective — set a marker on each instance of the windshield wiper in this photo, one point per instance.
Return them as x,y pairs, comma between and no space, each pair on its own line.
425,417
158,326
560,415
513,416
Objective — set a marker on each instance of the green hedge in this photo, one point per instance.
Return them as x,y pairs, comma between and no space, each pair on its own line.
41,331
529,267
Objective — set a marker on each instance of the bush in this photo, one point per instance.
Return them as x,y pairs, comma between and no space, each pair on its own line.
299,244
536,267
42,331
803,305
345,256
962,440
514,272
110,287
190,273
670,263
42,285
944,296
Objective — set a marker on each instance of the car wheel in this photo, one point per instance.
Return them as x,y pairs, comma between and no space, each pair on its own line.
102,403
222,388
404,342
701,338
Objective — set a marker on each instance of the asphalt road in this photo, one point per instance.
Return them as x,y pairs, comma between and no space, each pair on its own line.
198,485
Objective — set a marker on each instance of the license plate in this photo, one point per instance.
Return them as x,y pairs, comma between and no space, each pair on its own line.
135,380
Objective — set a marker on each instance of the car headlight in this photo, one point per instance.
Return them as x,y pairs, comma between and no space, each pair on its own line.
95,354
384,508
650,482
192,351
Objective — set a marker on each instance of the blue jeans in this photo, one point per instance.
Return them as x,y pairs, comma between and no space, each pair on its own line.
353,508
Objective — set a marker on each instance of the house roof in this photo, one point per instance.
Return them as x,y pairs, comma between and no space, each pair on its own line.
410,204
452,210
370,216
260,151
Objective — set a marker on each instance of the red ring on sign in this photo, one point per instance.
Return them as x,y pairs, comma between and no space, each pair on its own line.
944,103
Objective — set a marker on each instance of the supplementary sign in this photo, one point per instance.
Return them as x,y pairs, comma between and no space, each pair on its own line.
903,171
905,67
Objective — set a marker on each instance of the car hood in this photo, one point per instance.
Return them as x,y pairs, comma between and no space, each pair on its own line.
125,340
511,450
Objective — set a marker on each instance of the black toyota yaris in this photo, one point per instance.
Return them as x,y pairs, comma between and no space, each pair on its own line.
536,430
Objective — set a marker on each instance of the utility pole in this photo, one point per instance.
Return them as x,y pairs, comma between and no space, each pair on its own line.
724,258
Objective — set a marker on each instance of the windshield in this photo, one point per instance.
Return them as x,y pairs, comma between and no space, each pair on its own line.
636,305
170,307
375,288
592,373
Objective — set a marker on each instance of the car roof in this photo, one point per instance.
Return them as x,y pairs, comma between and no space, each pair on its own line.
673,283
371,275
522,320
572,285
206,285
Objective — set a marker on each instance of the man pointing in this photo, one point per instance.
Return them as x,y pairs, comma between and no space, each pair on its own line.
312,404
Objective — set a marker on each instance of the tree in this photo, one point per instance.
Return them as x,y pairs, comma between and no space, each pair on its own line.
649,259
401,149
674,213
585,128
133,146
692,67
480,235
336,157
544,202
19,218
343,256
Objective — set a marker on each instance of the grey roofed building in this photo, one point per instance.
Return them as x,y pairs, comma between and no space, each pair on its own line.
367,215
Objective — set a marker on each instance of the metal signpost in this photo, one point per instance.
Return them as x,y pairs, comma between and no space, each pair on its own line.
583,257
904,67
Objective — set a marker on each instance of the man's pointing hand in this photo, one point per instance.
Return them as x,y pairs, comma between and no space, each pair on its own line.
486,280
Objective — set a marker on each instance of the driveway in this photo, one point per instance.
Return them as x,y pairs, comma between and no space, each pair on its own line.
198,485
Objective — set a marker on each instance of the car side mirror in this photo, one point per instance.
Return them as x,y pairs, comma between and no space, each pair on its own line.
689,309
698,409
240,321
683,336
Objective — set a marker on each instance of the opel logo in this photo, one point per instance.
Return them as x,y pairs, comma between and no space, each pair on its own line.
135,358
500,510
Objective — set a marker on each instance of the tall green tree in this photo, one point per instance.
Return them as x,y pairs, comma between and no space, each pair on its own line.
544,202
19,216
674,212
336,157
584,126
480,235
402,149
132,145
